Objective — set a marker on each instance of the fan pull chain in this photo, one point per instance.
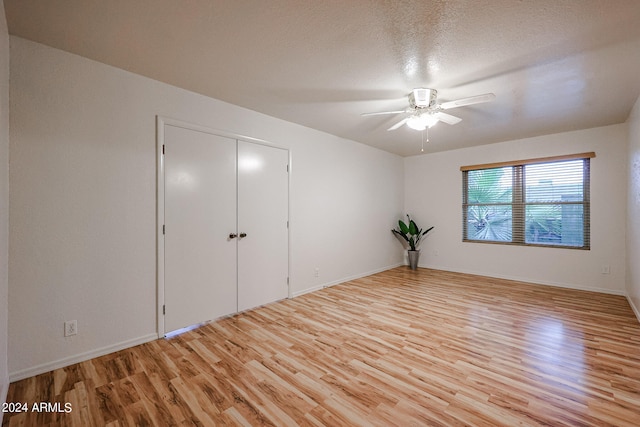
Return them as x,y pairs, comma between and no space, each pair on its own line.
422,150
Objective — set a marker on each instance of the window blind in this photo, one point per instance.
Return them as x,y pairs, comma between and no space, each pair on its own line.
542,202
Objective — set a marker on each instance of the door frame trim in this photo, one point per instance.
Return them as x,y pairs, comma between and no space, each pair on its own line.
161,122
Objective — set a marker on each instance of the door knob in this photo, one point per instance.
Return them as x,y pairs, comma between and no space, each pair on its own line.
232,235
243,235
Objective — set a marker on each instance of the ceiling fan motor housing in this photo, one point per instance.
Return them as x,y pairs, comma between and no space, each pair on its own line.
423,98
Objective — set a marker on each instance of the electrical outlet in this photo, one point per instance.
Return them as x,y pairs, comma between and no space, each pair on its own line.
605,269
316,272
70,328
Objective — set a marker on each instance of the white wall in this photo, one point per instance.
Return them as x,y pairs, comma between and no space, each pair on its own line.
82,206
4,202
434,182
633,210
83,174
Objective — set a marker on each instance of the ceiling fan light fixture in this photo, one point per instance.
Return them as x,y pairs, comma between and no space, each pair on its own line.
421,122
424,111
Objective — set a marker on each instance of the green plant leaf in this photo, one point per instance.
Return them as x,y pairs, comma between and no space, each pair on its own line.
427,230
411,233
404,236
412,243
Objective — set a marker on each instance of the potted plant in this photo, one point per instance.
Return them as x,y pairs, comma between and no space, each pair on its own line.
412,236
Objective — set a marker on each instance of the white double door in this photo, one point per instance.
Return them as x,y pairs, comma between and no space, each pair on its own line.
226,226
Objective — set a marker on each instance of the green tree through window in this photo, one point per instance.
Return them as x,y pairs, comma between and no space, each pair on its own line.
489,210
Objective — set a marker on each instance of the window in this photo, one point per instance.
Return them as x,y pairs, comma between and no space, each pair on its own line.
541,202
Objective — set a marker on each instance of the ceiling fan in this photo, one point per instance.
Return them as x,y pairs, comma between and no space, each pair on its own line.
424,111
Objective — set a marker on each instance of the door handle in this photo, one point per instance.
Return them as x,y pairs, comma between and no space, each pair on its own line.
243,235
232,235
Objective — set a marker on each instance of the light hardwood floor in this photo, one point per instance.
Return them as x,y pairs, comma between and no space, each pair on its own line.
425,348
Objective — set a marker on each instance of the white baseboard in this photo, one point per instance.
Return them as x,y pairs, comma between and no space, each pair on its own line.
344,279
61,363
634,308
477,273
529,280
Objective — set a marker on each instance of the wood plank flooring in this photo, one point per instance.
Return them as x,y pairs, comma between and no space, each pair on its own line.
405,348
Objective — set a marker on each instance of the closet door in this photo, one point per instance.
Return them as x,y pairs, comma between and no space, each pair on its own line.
263,246
200,213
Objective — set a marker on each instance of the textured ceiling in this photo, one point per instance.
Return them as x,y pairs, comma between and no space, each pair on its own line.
553,65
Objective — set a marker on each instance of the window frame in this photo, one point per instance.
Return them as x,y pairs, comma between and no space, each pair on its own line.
518,203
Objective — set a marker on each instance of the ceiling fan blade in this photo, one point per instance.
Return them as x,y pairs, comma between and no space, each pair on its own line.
383,112
447,118
468,101
397,125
